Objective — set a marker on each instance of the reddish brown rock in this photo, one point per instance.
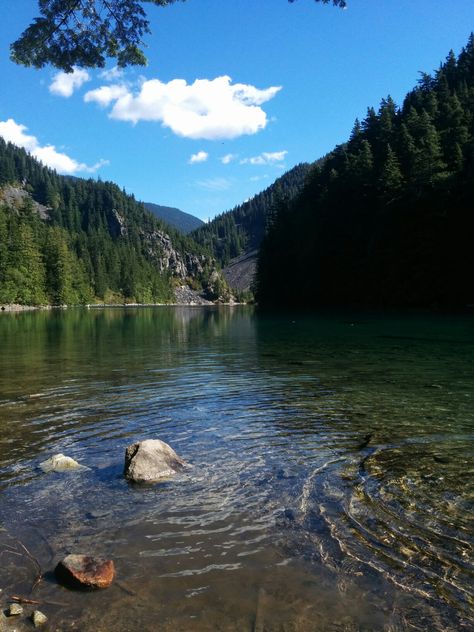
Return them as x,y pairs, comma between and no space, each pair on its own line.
86,572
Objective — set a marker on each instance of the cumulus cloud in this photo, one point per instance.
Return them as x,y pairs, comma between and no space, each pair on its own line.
206,109
201,156
64,83
106,94
265,158
228,158
48,154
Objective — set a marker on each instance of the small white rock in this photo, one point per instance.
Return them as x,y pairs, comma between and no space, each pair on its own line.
15,609
38,618
61,463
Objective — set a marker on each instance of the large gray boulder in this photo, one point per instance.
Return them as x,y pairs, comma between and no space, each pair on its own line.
150,461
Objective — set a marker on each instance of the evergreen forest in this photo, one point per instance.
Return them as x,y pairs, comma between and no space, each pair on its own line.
66,240
387,218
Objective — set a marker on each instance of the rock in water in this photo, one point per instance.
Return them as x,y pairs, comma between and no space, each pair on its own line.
15,610
86,572
151,460
39,618
61,463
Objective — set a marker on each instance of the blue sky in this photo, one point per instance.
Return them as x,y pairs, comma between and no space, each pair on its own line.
235,92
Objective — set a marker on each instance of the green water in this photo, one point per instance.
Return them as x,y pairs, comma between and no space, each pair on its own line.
331,480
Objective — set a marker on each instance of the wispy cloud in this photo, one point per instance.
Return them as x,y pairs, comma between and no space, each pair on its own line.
265,158
206,109
201,156
228,158
48,154
215,184
65,83
111,74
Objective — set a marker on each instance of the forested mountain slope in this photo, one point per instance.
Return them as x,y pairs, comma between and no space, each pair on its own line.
386,219
67,240
184,222
241,230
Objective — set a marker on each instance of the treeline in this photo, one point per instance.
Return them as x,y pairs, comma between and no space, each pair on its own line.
96,242
242,229
387,218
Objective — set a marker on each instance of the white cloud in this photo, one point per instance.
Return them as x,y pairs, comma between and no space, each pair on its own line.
48,154
265,158
207,109
111,74
201,156
215,184
228,158
106,94
64,83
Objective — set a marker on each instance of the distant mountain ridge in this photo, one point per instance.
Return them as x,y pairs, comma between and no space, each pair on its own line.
234,237
184,222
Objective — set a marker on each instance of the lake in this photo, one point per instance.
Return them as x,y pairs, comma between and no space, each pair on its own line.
331,479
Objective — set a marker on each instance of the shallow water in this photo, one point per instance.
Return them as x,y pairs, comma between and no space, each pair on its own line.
331,480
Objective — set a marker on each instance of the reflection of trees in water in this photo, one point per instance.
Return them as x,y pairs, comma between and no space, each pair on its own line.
63,369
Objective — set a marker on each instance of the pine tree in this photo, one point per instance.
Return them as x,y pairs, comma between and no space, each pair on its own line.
391,179
429,164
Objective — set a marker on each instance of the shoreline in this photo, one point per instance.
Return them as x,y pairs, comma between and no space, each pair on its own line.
16,308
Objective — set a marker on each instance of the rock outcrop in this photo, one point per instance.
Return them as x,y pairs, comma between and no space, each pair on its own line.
161,248
85,572
150,461
16,197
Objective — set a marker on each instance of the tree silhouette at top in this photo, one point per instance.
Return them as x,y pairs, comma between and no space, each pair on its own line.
85,33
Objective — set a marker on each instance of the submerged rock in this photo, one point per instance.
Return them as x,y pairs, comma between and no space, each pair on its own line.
15,610
38,618
61,463
151,460
86,572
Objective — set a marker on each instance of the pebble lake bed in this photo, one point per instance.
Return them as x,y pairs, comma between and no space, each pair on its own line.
328,474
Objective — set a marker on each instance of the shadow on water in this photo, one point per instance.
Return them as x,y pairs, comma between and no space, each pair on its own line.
329,487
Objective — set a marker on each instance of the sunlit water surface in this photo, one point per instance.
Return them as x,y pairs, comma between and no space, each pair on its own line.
331,468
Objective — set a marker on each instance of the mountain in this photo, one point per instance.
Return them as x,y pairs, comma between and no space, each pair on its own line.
234,237
180,220
68,241
385,219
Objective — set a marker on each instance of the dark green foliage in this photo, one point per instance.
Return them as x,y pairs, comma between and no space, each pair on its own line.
98,243
184,222
387,218
84,33
242,229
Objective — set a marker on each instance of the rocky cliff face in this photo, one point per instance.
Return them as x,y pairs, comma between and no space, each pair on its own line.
187,265
15,197
160,248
